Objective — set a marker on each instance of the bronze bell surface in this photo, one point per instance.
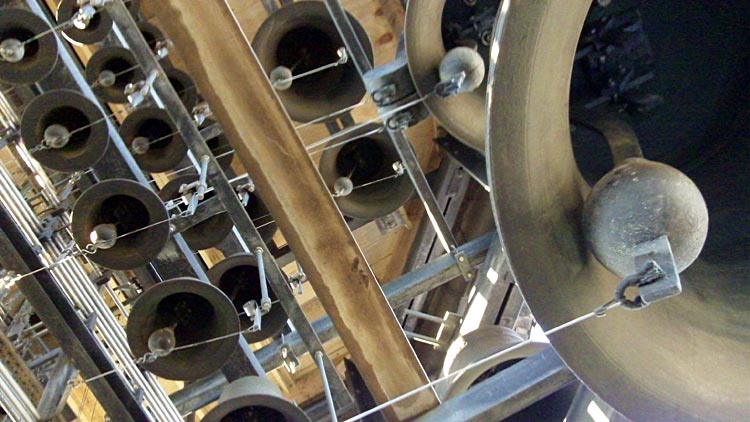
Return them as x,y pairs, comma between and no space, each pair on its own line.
301,37
21,62
182,84
206,233
125,220
682,359
181,312
364,161
110,70
237,276
153,139
72,128
254,399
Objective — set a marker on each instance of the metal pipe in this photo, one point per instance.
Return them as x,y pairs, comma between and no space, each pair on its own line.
16,398
326,387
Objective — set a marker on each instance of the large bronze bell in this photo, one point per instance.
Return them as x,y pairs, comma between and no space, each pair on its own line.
254,399
431,29
126,221
151,33
177,313
72,128
683,359
475,346
153,139
110,70
237,276
98,26
25,63
301,37
362,161
206,233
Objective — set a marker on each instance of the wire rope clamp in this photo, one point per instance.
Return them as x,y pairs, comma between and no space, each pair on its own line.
656,276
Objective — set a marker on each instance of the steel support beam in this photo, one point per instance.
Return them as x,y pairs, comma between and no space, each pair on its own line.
58,315
507,392
398,292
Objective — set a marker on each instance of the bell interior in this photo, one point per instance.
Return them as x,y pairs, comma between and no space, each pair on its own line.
254,414
22,34
127,214
122,68
74,120
704,132
154,129
308,47
366,161
192,314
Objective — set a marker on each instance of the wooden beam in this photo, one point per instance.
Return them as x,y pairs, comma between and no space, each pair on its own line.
225,69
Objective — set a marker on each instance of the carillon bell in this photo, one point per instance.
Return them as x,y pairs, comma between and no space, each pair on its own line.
126,222
89,24
169,319
254,399
26,55
377,189
301,37
65,130
475,346
153,139
682,359
207,233
432,30
237,276
220,147
183,86
110,70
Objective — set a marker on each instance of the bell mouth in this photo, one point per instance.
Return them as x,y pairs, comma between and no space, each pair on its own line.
75,121
682,359
307,48
39,56
254,414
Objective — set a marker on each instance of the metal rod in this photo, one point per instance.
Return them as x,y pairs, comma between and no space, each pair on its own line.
326,387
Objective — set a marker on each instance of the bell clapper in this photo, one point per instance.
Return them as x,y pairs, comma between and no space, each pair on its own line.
161,49
281,77
461,70
265,300
86,11
56,136
104,236
12,50
162,341
140,145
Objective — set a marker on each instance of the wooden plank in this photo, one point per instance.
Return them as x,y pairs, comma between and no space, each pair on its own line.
227,72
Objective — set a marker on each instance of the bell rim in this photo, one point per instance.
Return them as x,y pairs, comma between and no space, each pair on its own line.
92,197
189,96
164,289
110,94
147,161
423,59
47,47
98,138
279,318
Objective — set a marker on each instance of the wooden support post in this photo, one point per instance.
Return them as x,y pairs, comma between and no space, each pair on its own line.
226,71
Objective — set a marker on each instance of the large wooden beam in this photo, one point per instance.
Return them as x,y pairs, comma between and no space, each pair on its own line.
219,58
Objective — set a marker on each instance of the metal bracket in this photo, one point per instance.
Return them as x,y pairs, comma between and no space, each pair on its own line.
392,221
463,264
289,358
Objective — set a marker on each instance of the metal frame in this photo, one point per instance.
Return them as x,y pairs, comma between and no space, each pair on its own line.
224,191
